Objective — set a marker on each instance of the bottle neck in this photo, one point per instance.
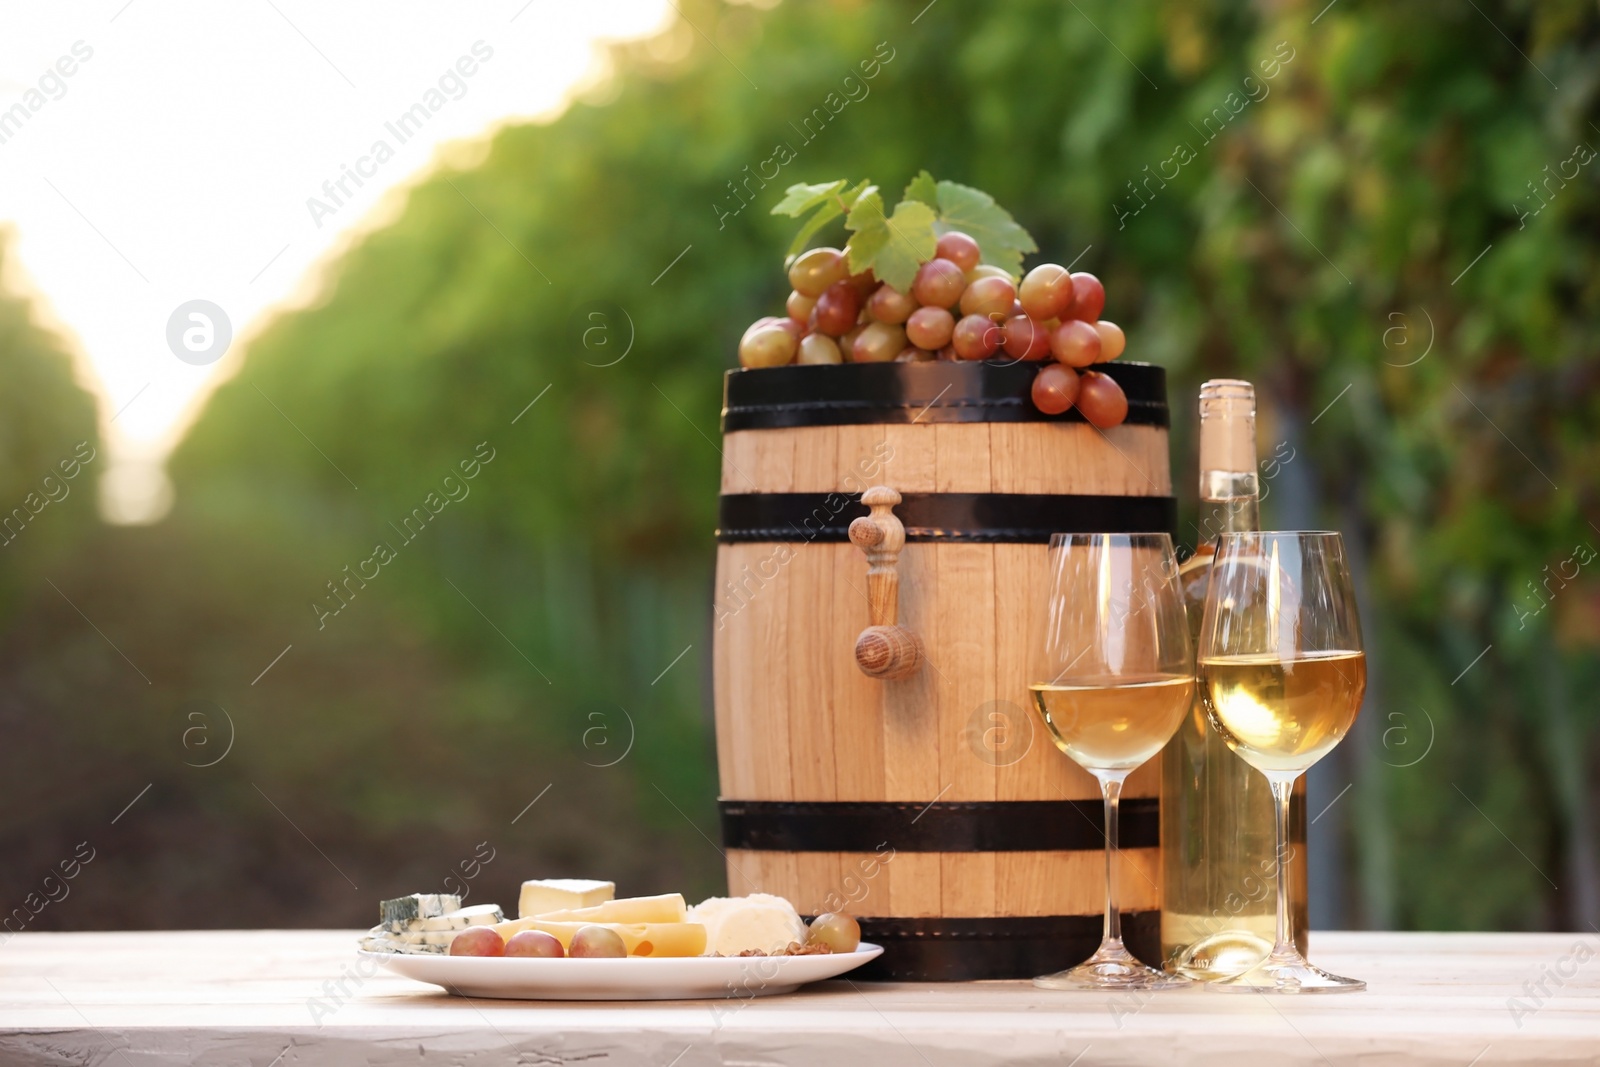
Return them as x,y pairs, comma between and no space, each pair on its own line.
1230,502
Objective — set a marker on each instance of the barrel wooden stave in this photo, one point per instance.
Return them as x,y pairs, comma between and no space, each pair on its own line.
1023,883
966,457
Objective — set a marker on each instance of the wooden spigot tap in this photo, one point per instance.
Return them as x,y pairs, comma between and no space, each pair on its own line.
885,649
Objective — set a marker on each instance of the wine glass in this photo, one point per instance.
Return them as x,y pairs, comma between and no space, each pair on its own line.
1112,676
1282,674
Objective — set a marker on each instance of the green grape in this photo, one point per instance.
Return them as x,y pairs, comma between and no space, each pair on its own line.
878,342
817,269
819,348
837,930
768,346
596,942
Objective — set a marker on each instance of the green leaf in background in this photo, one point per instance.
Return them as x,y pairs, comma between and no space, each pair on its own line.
892,246
975,213
923,188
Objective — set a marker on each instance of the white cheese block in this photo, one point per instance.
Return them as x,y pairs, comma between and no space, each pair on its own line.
476,915
543,895
760,922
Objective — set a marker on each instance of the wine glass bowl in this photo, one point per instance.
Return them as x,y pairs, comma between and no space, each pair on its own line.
1282,673
1112,676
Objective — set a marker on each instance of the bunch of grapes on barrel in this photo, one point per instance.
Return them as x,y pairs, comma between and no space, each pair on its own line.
914,286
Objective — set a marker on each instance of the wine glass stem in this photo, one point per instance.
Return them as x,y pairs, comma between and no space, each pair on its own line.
1282,790
1111,792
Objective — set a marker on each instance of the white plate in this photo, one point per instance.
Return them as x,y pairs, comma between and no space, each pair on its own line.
666,978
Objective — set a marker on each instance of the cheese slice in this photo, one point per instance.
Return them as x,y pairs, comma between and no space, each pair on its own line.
667,908
543,895
640,939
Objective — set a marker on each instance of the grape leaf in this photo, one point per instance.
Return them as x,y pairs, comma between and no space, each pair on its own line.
972,211
801,198
892,246
828,201
869,229
922,188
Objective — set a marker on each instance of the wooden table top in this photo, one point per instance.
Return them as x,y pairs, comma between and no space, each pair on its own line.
270,998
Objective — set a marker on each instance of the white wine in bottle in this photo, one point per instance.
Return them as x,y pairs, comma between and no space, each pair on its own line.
1218,842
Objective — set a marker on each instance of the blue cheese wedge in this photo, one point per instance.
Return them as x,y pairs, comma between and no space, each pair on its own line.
456,921
417,906
543,895
383,943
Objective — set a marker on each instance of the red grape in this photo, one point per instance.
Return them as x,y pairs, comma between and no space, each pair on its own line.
930,327
878,342
1055,388
913,354
890,305
477,941
1089,296
799,306
837,308
959,249
819,348
817,269
769,346
1102,400
1046,292
976,337
939,283
534,944
947,354
988,296
863,283
1075,343
1026,339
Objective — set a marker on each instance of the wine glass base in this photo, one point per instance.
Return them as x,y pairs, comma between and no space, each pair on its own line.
1287,973
1114,968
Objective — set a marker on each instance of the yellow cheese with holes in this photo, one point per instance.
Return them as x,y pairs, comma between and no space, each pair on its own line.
640,939
667,908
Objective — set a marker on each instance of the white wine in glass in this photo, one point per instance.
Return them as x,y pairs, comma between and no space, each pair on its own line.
1112,677
1282,673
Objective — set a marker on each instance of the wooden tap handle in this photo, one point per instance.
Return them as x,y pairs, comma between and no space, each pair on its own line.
885,649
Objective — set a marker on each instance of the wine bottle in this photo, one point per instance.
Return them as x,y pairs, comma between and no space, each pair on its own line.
1218,842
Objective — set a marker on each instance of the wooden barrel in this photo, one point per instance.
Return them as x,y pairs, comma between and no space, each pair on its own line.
934,808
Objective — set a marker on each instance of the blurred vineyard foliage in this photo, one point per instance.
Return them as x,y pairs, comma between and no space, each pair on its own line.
1358,233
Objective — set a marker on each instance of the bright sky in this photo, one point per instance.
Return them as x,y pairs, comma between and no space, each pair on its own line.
157,152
